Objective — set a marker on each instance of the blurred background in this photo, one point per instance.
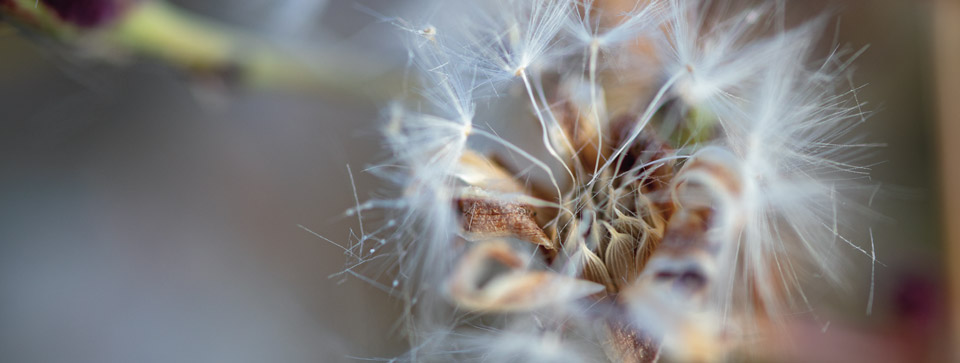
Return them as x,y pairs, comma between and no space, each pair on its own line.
150,200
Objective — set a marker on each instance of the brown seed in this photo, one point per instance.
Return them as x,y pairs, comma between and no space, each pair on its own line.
645,250
630,225
594,269
620,257
489,218
651,214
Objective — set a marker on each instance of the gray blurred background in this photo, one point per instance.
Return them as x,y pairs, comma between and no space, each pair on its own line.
148,216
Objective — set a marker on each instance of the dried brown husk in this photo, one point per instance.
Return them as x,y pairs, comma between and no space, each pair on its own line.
485,217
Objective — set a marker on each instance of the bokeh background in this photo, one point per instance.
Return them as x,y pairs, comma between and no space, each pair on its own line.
151,213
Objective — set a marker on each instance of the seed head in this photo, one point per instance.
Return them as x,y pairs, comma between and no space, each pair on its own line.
666,213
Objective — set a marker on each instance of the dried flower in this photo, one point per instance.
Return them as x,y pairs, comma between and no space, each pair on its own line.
687,172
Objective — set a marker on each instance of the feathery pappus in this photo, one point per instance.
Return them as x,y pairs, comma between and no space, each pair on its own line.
679,180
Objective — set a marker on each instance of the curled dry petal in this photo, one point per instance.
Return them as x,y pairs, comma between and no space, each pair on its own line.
684,262
493,277
703,225
482,172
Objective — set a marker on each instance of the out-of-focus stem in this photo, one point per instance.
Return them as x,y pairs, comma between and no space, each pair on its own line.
158,30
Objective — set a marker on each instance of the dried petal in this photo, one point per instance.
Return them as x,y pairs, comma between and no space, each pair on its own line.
480,171
492,277
684,262
699,229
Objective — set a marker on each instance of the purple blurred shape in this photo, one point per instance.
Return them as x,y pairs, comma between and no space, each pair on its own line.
85,13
